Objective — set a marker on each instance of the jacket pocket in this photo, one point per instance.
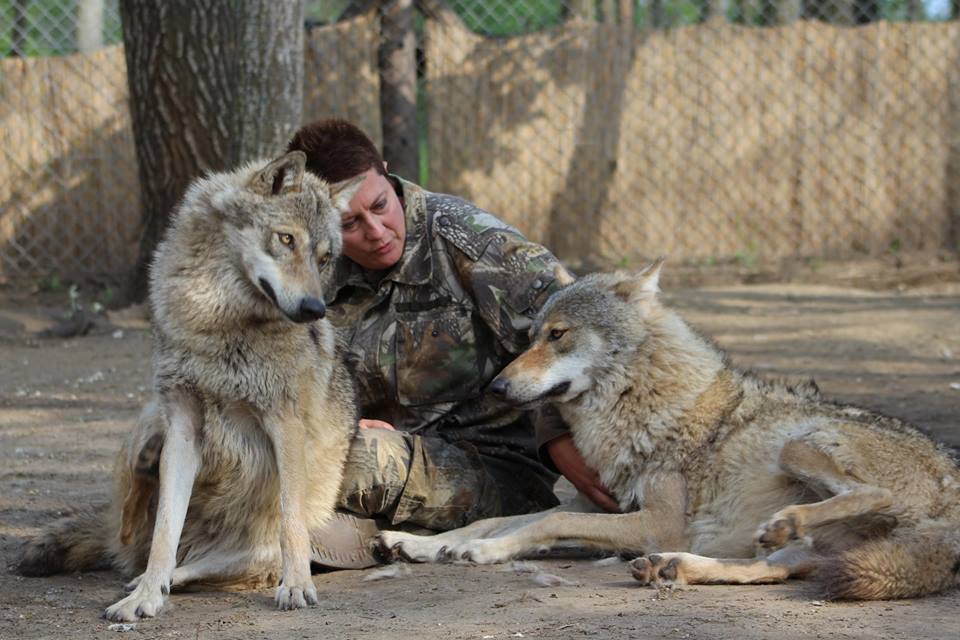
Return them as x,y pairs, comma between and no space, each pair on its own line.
436,357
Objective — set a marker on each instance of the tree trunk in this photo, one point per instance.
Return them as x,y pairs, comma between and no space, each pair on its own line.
212,84
656,17
89,25
607,11
628,13
915,10
398,88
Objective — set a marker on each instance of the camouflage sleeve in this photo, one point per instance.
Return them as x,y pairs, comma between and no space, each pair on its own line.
509,278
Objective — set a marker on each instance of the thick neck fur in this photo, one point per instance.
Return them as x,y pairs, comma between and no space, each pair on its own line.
656,396
213,331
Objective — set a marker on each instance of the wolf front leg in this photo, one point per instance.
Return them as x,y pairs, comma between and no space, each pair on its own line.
179,462
660,524
288,432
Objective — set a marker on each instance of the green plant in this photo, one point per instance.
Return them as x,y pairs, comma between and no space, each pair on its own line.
106,296
52,284
745,258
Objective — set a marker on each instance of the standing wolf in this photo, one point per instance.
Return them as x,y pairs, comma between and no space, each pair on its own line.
239,458
702,455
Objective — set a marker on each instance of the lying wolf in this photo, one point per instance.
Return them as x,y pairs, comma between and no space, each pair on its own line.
727,478
239,458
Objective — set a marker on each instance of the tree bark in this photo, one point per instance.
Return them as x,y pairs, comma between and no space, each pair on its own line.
656,16
628,13
916,10
398,87
212,84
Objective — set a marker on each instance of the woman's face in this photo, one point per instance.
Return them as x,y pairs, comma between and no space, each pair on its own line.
374,230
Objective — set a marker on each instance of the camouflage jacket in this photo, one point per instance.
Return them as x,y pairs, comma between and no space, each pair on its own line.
426,338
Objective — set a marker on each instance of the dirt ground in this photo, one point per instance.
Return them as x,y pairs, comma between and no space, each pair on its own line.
65,404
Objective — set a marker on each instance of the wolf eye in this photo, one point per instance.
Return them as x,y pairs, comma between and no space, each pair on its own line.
286,239
556,334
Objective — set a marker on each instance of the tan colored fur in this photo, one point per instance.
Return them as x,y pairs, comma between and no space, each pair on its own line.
722,477
239,456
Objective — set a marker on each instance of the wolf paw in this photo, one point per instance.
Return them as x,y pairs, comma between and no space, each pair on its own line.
657,568
776,533
296,596
489,551
144,602
397,545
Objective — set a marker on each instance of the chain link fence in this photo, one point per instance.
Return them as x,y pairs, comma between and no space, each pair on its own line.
610,130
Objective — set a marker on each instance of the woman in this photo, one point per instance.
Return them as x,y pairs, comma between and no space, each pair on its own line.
435,297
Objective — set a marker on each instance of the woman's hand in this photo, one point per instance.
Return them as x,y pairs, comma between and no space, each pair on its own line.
366,423
571,464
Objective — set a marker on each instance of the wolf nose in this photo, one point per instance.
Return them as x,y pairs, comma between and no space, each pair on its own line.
499,387
312,309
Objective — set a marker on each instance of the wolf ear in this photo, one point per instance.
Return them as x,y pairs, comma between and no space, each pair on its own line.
342,192
282,176
642,286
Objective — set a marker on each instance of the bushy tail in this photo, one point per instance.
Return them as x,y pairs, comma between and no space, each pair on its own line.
909,564
75,543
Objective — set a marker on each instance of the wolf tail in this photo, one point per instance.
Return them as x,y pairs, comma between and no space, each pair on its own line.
75,543
909,564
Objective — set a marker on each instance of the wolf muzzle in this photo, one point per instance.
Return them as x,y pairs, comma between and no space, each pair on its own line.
500,387
310,309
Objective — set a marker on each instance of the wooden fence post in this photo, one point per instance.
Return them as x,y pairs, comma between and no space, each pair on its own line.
398,87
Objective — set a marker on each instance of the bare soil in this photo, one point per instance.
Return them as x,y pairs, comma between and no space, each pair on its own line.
66,403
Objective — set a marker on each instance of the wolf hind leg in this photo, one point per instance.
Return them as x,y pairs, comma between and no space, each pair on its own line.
225,568
688,568
849,497
142,471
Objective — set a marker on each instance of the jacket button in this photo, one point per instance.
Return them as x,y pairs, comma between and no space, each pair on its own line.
444,221
537,283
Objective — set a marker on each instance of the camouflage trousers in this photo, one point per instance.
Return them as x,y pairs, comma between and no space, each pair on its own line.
432,483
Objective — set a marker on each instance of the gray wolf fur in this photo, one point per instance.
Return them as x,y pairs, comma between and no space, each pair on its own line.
723,478
238,459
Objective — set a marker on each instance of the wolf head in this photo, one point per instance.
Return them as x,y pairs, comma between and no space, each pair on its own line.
260,241
584,331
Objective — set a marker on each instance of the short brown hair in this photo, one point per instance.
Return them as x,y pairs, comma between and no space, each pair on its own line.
336,149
